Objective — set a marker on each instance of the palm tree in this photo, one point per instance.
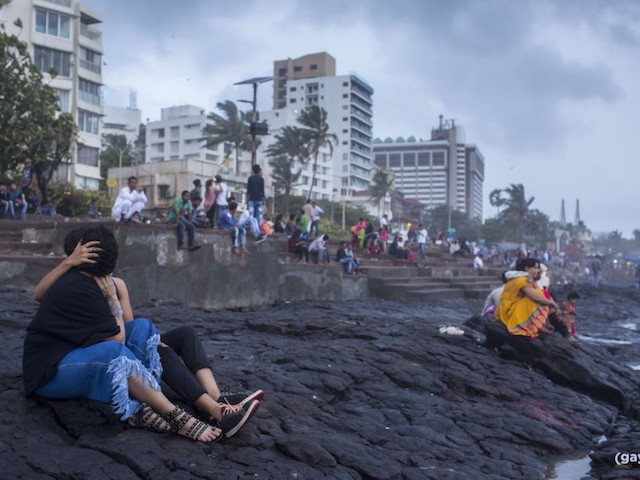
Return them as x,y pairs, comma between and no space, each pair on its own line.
314,118
516,212
381,185
284,177
290,142
230,127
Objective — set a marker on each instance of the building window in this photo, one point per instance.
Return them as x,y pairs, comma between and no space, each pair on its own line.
46,59
88,156
313,67
89,91
293,89
63,99
292,100
52,23
297,68
438,159
394,160
160,133
90,60
88,122
380,160
345,95
409,159
282,72
346,130
345,84
423,159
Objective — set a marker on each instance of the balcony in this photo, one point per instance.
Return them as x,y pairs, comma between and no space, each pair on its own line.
91,33
89,98
92,67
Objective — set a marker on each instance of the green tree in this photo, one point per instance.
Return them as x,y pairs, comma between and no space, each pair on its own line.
31,124
229,127
115,145
284,177
516,212
381,186
314,120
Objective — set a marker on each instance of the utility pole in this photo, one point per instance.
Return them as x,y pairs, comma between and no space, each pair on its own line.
255,128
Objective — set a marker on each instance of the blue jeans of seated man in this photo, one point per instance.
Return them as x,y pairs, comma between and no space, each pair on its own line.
185,224
252,225
238,236
101,371
350,263
4,209
255,210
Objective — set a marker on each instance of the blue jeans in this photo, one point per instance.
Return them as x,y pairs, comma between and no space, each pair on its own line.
255,210
423,254
238,235
101,371
251,224
184,224
350,264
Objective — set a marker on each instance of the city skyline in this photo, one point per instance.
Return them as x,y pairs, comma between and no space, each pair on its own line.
546,89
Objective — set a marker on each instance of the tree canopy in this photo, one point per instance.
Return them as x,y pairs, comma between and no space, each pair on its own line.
314,121
229,127
31,123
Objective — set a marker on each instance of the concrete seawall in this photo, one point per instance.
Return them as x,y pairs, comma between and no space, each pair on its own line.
212,277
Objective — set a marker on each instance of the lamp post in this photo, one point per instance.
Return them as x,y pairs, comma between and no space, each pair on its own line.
344,201
254,112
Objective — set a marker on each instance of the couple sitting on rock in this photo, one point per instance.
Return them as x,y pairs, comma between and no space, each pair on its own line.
83,342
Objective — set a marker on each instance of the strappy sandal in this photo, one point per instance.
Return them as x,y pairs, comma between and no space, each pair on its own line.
178,418
149,419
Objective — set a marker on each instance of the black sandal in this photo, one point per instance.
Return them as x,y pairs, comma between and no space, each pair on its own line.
149,419
178,418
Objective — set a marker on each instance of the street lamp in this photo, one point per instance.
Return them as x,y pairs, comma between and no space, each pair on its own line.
255,128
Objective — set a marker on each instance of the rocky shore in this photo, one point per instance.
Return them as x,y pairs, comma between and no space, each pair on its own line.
357,390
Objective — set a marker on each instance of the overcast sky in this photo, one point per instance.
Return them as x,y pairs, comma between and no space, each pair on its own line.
549,90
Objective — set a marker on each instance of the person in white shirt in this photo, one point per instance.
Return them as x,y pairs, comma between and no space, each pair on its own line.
316,211
222,191
249,222
129,202
319,248
422,240
384,221
478,264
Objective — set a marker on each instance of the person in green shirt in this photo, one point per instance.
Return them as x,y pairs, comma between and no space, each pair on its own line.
181,214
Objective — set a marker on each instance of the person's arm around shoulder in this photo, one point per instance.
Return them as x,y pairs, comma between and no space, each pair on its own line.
83,253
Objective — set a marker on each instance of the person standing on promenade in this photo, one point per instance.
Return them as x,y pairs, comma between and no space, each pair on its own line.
255,194
316,211
210,195
220,204
596,270
421,237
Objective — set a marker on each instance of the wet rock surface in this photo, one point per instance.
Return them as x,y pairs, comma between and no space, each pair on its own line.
354,390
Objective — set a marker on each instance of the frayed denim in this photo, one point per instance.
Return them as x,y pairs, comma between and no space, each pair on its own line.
101,371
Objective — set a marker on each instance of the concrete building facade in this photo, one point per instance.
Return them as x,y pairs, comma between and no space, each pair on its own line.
442,171
64,35
347,99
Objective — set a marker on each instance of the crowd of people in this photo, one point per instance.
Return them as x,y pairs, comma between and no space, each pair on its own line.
18,200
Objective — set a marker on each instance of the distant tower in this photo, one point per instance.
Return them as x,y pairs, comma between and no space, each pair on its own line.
577,220
563,216
133,99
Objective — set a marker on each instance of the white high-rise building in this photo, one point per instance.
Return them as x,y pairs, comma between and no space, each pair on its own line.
347,99
63,34
442,171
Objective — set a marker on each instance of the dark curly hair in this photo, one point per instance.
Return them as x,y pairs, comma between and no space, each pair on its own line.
525,263
72,239
107,258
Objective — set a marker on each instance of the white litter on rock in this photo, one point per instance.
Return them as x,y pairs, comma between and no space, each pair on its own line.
450,330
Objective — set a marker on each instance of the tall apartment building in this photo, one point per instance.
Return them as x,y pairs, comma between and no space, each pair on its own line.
122,121
63,34
347,99
178,135
442,171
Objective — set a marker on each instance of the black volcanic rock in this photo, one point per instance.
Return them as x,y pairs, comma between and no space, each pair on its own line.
354,390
